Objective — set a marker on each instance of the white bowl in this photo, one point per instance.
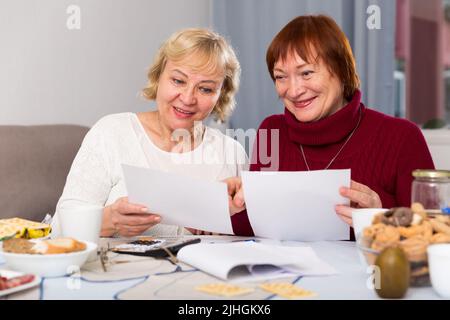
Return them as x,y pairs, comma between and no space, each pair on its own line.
49,265
362,218
439,264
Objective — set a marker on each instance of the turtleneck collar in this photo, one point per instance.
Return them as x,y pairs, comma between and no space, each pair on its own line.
328,130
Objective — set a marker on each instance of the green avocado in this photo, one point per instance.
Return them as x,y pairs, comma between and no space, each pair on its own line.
394,272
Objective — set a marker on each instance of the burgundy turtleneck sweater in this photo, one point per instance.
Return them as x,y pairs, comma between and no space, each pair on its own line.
381,154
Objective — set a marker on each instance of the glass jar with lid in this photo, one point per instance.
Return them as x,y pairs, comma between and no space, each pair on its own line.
431,188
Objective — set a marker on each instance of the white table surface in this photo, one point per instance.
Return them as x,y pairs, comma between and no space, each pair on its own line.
350,283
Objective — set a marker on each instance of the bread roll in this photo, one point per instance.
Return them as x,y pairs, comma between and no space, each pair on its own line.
59,245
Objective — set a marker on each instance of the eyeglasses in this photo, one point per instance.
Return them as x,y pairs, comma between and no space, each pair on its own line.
171,257
106,261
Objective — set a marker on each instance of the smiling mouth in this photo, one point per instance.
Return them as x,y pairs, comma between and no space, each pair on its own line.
303,103
183,112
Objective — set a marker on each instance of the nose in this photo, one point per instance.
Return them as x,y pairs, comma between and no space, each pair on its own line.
187,96
295,88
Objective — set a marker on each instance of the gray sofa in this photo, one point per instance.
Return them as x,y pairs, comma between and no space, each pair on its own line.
34,163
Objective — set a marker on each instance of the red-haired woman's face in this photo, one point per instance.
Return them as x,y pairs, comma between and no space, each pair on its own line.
309,91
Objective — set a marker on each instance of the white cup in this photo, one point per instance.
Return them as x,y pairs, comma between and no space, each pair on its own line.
81,223
439,265
362,218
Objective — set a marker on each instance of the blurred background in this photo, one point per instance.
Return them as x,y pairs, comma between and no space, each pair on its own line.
51,73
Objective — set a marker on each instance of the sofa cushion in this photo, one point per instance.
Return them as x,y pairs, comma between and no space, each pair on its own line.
34,164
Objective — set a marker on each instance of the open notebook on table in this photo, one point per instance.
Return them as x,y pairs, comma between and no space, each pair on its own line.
251,261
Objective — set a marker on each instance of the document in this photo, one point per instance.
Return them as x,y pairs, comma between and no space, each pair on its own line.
180,200
296,205
252,261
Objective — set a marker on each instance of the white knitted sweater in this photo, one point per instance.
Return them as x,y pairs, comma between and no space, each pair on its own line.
96,177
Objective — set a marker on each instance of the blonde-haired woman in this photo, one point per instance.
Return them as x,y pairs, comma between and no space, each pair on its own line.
195,74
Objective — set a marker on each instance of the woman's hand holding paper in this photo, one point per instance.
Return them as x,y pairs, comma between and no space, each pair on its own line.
235,195
127,219
361,196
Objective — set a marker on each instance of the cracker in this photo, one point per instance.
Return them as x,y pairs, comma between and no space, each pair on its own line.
223,289
287,290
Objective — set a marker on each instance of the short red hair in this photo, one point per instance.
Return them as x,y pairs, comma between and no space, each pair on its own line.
320,35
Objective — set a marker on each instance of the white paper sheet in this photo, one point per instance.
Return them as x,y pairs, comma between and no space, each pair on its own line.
296,205
250,261
180,200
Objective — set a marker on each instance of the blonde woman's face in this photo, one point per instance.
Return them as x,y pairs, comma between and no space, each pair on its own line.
185,96
309,91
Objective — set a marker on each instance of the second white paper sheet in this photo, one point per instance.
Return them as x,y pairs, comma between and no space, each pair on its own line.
180,200
296,205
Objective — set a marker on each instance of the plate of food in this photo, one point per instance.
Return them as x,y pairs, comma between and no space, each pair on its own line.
13,281
47,258
23,228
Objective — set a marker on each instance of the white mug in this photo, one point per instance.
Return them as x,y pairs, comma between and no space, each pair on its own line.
439,265
81,223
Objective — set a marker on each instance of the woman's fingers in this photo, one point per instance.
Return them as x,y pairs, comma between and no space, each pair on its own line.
130,219
238,199
135,229
124,207
135,219
233,185
124,232
236,202
132,230
360,187
362,195
346,220
139,219
345,213
362,199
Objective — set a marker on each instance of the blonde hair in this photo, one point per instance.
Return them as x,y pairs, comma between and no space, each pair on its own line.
212,54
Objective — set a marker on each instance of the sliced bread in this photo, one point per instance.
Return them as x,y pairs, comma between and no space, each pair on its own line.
59,245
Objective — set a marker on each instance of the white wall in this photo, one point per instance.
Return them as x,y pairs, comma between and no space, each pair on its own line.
50,74
438,141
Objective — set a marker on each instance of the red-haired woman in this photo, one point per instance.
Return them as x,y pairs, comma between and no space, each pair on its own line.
326,126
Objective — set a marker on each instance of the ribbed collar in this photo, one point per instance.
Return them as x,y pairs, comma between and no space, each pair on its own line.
329,130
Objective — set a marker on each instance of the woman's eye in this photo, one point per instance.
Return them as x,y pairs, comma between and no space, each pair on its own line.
279,77
177,81
206,90
307,73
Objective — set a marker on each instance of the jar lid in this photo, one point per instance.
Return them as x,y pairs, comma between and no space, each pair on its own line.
431,173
